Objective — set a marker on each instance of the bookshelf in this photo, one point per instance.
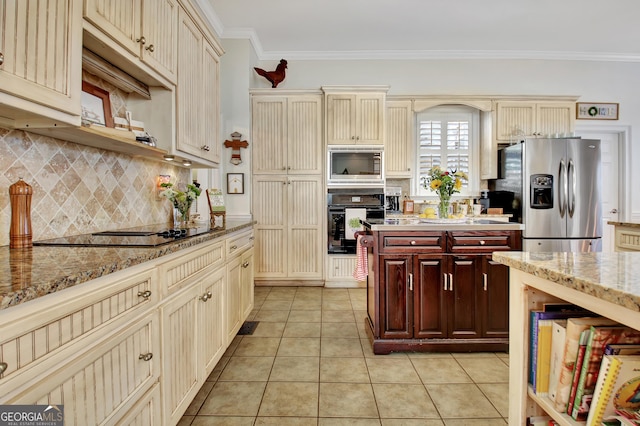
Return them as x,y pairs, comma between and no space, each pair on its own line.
554,281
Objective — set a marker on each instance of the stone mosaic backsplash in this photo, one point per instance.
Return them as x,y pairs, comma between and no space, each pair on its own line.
78,189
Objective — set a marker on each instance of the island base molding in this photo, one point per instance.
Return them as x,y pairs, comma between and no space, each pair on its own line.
386,346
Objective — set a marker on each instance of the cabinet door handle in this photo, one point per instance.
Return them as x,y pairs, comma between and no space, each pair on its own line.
445,281
203,147
450,282
245,264
145,294
146,357
205,296
410,282
141,40
251,238
150,48
1,59
3,367
484,281
482,242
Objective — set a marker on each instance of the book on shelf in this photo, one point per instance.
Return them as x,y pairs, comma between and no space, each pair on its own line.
577,368
534,317
621,349
575,326
538,421
599,337
617,387
558,336
545,328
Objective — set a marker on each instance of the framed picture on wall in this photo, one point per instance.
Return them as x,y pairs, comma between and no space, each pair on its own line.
235,183
96,105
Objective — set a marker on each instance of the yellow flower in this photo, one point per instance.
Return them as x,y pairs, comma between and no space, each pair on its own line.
435,184
458,184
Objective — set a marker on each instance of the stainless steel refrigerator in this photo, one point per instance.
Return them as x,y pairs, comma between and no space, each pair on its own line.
557,187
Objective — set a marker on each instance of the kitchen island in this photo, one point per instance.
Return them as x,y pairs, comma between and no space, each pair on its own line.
605,283
432,286
121,335
627,236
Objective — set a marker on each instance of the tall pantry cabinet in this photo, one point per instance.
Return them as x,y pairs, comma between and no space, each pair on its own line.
288,189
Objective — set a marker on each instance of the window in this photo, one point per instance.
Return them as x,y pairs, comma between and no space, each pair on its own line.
448,137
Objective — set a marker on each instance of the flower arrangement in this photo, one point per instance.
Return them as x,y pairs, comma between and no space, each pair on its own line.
444,183
181,200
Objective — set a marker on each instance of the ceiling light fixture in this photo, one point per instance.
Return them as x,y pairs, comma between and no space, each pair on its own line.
169,157
186,163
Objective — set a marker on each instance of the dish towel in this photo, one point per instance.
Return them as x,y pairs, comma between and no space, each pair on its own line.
362,269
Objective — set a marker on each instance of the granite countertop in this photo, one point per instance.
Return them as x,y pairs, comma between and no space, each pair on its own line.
627,224
416,224
614,277
26,274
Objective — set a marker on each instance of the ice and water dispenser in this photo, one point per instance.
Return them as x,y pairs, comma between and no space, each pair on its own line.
541,191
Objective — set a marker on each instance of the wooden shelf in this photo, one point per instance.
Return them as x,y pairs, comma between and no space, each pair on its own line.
548,407
103,138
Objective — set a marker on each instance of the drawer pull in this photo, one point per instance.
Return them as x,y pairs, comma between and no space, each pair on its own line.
1,59
146,357
245,264
450,282
3,367
484,281
445,281
233,247
251,238
482,242
413,243
145,294
410,282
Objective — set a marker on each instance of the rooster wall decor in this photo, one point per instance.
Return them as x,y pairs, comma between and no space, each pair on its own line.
274,77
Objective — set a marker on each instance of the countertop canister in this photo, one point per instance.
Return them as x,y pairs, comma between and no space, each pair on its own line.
20,232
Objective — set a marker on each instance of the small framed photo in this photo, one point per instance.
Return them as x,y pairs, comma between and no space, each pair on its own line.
235,183
601,111
96,106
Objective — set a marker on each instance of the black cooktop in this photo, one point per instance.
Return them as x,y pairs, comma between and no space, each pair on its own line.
146,236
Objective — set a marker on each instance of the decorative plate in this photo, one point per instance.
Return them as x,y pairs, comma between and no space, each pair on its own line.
462,220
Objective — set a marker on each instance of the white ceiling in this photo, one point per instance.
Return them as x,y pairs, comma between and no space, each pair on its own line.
334,29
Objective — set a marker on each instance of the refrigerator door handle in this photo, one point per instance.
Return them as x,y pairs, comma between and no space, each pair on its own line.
572,188
562,190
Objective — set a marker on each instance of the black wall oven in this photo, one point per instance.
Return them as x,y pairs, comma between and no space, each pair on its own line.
339,203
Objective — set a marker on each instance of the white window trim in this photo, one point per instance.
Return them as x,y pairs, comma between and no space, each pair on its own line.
448,111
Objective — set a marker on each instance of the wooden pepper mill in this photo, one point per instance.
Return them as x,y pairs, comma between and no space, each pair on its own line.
20,231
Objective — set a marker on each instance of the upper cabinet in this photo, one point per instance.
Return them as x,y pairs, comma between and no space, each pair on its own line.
355,115
144,30
40,62
519,119
289,131
399,142
197,92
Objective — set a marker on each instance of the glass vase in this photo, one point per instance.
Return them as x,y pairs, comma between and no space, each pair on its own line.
444,207
181,218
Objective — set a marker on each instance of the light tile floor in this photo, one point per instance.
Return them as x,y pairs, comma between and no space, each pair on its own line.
309,363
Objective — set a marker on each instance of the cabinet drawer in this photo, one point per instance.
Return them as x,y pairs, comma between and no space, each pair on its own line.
238,243
411,242
72,315
177,273
482,241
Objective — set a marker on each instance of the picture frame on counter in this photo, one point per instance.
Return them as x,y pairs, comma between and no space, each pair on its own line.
96,105
596,111
235,183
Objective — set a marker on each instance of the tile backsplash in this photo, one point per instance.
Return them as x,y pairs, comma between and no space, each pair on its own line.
78,189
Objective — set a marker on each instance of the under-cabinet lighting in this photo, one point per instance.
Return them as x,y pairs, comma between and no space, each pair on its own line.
186,163
169,157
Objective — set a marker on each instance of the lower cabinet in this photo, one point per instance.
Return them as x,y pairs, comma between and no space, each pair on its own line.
193,340
440,291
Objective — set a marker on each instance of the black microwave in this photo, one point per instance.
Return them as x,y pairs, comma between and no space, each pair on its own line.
359,165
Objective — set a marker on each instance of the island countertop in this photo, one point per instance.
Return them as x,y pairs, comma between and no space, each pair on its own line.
627,224
26,274
415,224
612,277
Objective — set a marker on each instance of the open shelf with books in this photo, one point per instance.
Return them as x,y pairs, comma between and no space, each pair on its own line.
529,292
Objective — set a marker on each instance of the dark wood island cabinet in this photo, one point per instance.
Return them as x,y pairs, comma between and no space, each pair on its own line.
438,290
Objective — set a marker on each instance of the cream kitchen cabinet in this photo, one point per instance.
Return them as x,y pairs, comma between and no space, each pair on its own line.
399,142
288,129
197,91
290,212
145,29
355,115
239,294
40,62
515,120
193,341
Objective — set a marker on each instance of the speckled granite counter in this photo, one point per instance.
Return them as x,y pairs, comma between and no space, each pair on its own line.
396,224
627,224
26,274
613,277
